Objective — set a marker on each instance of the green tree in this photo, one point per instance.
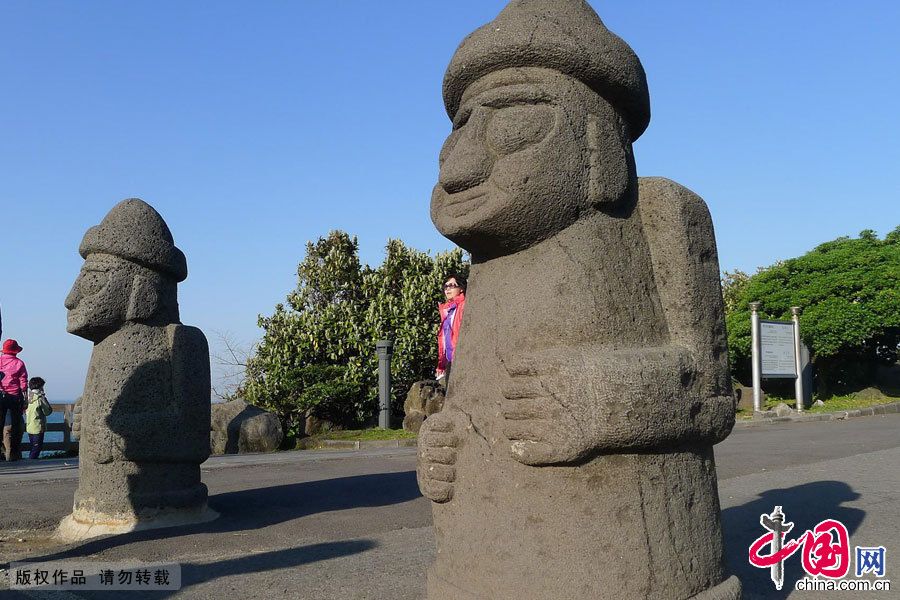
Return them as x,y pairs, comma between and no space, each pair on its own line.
733,284
318,350
849,292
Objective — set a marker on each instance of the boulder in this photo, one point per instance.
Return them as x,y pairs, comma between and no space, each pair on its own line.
424,399
870,393
314,425
783,410
413,421
238,427
743,396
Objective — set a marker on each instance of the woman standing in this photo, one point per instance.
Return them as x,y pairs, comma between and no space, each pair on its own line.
14,386
451,318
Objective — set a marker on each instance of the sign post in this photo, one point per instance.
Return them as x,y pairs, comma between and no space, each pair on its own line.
755,356
776,353
798,358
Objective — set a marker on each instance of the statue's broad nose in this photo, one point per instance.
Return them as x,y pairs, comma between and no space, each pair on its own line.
467,165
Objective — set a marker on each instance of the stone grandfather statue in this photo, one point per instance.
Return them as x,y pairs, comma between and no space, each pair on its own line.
144,417
573,458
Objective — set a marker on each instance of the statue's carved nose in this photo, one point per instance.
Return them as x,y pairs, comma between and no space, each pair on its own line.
469,164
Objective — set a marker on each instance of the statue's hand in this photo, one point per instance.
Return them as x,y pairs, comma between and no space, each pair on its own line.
76,420
541,418
563,405
438,441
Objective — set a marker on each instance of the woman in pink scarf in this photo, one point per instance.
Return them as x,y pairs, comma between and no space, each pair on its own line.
451,318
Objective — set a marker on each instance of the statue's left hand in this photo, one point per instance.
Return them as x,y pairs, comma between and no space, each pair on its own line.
541,416
562,405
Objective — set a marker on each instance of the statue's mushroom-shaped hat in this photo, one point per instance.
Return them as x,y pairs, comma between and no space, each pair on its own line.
133,230
564,35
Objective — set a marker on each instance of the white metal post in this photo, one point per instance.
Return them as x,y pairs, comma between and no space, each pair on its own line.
798,358
756,356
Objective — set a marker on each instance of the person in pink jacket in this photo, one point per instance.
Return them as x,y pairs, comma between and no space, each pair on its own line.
14,389
451,318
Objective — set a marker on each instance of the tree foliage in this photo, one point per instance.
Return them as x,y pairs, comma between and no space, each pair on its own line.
849,293
733,284
318,349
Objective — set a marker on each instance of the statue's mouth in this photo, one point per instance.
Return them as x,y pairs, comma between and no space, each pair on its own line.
461,199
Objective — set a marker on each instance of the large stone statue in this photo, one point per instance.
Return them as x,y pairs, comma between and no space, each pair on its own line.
573,458
144,417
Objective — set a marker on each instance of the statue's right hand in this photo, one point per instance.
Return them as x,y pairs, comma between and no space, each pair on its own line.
435,470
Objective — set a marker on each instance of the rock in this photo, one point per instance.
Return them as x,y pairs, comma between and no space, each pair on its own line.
144,416
314,425
435,403
424,399
425,396
238,428
590,380
413,421
871,393
818,403
744,397
783,410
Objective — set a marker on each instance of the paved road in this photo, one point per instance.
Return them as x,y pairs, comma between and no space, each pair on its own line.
352,525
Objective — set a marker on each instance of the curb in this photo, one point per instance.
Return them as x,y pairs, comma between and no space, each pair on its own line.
841,415
364,445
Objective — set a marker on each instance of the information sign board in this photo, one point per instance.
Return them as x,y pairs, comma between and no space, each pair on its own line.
777,349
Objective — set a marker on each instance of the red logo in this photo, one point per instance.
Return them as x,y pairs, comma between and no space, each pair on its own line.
825,548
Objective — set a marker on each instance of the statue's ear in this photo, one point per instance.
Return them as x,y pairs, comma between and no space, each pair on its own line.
143,301
610,166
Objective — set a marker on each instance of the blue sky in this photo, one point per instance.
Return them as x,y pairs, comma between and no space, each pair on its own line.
256,126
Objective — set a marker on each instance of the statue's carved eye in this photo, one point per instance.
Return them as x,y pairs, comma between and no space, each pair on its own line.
514,128
92,282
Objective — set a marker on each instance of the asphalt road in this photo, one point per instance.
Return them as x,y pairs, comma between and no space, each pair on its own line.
352,525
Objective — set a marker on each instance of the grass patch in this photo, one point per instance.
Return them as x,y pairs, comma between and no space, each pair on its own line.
354,435
743,414
769,403
833,404
850,402
364,435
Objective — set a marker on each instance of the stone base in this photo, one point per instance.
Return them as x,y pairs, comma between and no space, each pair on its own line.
75,529
440,589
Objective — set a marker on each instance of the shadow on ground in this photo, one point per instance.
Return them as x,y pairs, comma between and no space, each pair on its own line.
804,505
262,507
193,574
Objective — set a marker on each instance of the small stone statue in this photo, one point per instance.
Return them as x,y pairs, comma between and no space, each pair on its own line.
144,417
573,457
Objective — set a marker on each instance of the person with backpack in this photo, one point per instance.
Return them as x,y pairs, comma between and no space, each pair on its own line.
36,415
14,387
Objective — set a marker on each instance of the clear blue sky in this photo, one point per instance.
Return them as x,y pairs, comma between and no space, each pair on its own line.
256,126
